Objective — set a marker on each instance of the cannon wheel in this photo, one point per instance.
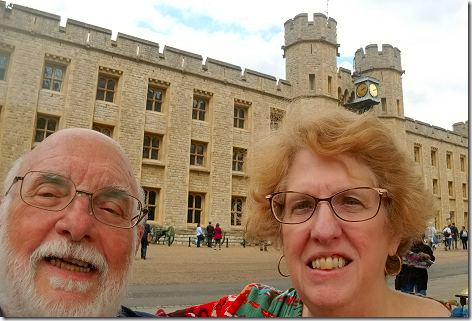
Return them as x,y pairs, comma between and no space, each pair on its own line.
170,235
153,234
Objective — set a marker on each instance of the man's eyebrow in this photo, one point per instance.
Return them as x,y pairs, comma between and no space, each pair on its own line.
119,188
52,177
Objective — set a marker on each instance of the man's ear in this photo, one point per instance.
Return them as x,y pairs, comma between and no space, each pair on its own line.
140,233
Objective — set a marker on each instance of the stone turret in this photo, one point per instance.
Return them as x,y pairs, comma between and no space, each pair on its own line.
310,53
385,66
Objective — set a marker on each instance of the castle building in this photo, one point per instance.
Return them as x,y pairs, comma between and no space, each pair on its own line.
188,126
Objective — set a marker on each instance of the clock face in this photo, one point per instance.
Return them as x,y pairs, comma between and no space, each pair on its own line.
361,90
373,90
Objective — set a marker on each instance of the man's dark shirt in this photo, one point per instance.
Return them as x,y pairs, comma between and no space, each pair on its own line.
210,229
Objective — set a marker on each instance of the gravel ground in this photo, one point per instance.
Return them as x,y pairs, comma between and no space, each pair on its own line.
180,264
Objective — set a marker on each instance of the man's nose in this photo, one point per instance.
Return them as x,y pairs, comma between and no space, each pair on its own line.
78,221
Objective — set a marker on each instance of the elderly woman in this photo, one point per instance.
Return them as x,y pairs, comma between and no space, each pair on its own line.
341,199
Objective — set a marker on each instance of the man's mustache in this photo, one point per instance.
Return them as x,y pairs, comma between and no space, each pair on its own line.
71,252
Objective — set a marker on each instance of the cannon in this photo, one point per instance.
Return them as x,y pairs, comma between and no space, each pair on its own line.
167,234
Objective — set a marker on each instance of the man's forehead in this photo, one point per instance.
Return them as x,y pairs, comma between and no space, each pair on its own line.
79,153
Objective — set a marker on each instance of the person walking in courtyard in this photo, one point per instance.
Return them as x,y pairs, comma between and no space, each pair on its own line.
210,231
199,234
447,237
145,240
455,235
218,236
464,237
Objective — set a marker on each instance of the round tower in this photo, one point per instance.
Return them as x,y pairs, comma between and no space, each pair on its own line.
310,53
385,66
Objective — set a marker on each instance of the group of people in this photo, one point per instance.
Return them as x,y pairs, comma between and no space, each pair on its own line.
451,234
332,190
213,233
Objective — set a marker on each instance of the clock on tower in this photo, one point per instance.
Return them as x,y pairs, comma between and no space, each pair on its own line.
367,94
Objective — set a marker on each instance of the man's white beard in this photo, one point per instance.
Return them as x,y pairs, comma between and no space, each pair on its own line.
20,298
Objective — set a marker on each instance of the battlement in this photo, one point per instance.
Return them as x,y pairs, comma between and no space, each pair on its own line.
76,33
300,29
388,58
435,132
461,128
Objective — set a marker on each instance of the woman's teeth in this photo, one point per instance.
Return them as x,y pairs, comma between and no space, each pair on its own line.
70,264
329,263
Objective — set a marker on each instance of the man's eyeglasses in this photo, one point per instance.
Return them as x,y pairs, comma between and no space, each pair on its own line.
352,205
52,192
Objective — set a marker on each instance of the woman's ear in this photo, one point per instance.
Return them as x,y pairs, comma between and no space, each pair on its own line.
394,243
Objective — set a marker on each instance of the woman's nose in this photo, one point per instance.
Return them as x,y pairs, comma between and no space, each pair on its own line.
325,226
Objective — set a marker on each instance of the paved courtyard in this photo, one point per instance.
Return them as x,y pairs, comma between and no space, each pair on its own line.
180,264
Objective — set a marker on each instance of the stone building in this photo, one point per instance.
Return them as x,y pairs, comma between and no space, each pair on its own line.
188,125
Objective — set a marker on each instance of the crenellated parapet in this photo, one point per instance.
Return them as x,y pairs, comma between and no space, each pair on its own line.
388,58
76,33
299,29
435,132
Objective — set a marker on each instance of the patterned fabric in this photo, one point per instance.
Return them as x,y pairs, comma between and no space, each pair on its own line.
258,300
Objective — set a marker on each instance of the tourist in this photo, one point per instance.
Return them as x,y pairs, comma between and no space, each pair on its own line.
145,240
210,230
200,235
454,235
464,237
218,235
414,274
447,237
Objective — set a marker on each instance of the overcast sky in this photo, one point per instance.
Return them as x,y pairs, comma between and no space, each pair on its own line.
432,36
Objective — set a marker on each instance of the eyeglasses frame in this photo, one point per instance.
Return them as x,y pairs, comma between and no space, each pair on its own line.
382,192
143,213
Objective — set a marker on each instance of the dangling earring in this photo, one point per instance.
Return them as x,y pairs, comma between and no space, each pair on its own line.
399,269
278,267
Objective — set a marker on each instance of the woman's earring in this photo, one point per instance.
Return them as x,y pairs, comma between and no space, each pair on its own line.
399,269
278,268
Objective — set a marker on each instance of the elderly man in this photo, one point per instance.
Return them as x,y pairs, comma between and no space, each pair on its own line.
70,222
